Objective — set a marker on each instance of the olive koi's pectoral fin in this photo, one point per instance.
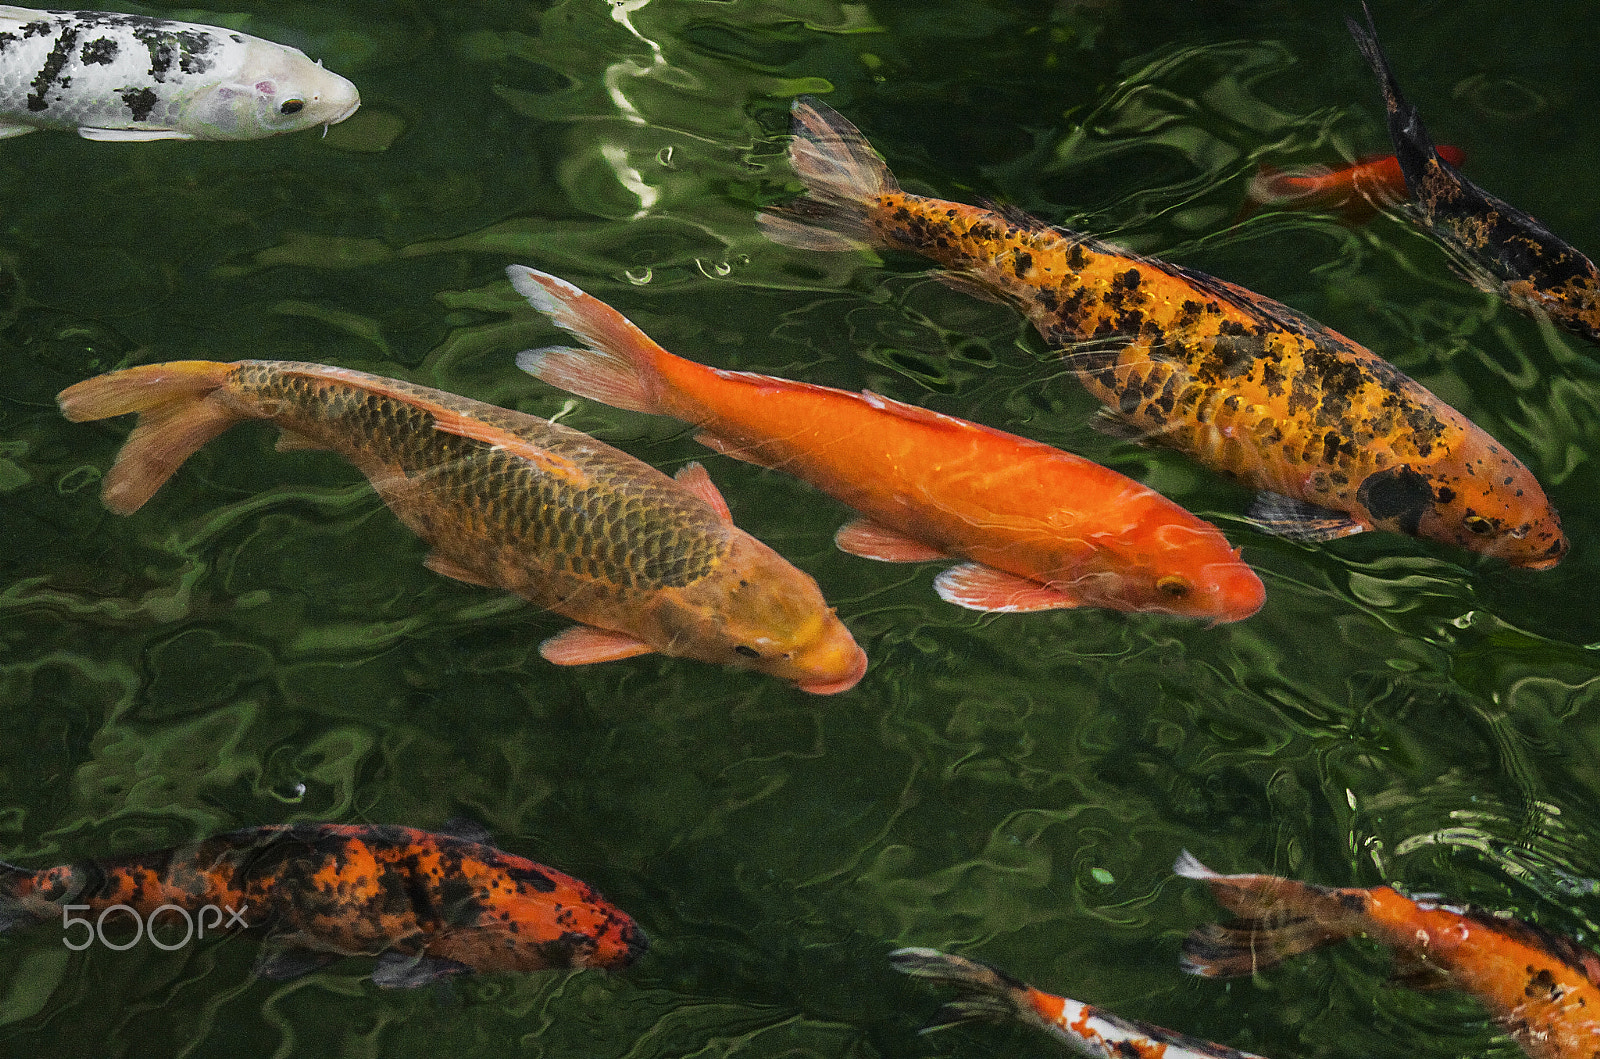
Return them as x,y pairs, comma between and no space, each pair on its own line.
869,540
450,568
693,477
584,645
281,964
398,971
1297,520
132,135
979,587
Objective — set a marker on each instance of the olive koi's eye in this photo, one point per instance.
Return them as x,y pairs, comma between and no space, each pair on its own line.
292,106
748,652
1479,524
1174,586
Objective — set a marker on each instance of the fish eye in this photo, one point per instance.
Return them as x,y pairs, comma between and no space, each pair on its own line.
748,652
1174,586
1479,524
292,106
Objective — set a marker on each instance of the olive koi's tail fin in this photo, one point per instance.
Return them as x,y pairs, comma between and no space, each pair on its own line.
844,178
1278,918
988,993
1412,145
175,420
620,366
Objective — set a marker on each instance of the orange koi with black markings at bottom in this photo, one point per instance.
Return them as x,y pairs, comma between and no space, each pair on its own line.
1540,987
428,905
507,500
1336,439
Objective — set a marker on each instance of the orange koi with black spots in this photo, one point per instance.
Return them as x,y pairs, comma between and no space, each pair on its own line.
1338,440
427,905
1541,988
507,500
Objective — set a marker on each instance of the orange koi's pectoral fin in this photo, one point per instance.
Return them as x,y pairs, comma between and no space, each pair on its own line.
869,540
280,964
452,569
584,645
1113,424
1297,520
972,288
979,587
693,477
398,971
1413,972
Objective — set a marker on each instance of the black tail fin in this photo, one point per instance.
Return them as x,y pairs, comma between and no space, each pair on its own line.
1412,144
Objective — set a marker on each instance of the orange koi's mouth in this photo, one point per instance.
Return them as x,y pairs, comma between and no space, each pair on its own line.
833,687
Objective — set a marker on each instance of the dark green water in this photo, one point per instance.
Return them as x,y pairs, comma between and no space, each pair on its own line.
262,644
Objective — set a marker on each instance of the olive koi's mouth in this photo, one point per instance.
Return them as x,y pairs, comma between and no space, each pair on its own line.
835,686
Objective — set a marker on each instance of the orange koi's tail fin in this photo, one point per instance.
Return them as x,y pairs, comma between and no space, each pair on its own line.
988,993
620,366
175,421
1278,918
844,178
21,906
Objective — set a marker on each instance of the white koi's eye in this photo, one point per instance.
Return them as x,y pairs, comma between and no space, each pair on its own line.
292,106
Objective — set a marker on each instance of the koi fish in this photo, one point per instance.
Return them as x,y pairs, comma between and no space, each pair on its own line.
1040,528
1356,191
991,995
128,77
1337,439
427,905
1504,250
507,500
1540,987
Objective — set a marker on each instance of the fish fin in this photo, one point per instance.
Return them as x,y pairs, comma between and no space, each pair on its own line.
971,287
788,229
452,569
281,964
1298,520
398,971
15,913
1116,425
1413,147
980,587
843,176
467,829
133,135
731,449
175,420
289,441
1279,918
506,439
693,477
619,365
1411,971
869,540
988,993
7,130
584,645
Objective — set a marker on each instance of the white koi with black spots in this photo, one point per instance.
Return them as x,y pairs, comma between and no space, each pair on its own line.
128,77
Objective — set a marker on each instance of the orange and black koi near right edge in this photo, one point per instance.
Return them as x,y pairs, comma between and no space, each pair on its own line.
428,905
1336,439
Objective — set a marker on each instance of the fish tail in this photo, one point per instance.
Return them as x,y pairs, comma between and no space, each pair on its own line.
16,912
1278,918
988,993
620,365
844,179
1412,145
175,420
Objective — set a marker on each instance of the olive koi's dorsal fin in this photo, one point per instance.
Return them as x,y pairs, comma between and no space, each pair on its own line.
1297,520
584,645
452,569
979,587
693,477
280,964
869,540
464,426
396,970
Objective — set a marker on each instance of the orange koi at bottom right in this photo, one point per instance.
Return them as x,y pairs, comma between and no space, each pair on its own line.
1356,192
1540,987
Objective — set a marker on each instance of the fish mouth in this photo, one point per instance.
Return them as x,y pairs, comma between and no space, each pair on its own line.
833,687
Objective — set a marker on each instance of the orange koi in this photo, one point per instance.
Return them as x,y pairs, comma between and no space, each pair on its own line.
427,905
1501,249
1540,987
991,995
1356,191
1337,439
507,500
1039,528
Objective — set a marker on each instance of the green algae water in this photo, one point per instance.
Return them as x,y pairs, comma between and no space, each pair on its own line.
262,644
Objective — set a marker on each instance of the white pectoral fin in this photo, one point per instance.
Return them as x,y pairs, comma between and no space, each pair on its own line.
584,645
132,135
7,130
979,587
1299,521
869,540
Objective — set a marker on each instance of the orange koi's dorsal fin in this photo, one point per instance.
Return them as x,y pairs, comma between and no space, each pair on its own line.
450,568
693,477
979,587
584,645
916,413
869,540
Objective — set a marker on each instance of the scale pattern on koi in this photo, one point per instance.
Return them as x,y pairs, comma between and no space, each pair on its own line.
1338,440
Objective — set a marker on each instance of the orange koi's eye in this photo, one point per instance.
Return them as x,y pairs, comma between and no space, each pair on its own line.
1174,586
1479,524
748,652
